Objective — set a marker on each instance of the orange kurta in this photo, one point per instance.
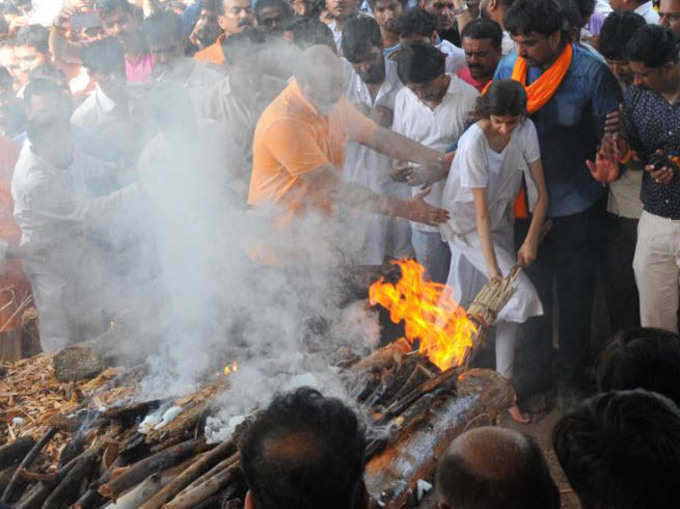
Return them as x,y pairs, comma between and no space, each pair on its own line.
213,53
14,286
291,139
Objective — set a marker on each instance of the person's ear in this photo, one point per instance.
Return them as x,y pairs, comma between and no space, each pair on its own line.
249,504
221,22
554,40
434,37
492,5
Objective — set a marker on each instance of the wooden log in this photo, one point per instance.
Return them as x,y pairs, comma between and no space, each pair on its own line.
144,468
73,448
132,412
11,454
5,477
12,491
134,498
77,362
223,450
51,477
36,497
392,475
68,490
222,465
192,497
91,498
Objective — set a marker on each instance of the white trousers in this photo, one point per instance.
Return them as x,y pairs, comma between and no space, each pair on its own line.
468,274
657,266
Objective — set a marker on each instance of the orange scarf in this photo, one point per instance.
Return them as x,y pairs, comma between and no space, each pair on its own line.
538,94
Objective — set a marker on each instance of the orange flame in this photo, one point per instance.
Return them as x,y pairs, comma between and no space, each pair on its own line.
430,314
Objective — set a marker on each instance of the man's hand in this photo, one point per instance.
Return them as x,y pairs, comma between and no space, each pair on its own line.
527,253
604,169
418,210
495,273
612,123
416,175
663,175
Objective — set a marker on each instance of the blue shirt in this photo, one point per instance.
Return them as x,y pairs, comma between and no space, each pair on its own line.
570,128
653,123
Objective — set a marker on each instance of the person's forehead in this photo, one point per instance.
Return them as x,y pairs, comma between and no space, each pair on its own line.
439,3
476,43
639,67
383,4
669,5
231,4
531,36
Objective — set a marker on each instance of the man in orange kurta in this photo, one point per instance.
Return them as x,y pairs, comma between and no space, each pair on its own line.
234,17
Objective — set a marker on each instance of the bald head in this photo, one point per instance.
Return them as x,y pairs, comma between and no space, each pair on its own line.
320,75
494,468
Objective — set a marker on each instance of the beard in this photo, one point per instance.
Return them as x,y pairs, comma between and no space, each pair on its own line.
391,25
375,74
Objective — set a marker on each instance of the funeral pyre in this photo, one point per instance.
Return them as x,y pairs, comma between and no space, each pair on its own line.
89,440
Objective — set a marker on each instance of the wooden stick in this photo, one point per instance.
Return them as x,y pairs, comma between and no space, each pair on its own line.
137,495
190,498
233,460
68,490
36,497
190,474
142,469
11,492
52,477
12,453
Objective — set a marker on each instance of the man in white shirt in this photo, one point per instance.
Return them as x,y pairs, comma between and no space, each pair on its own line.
339,11
372,85
643,8
431,110
419,26
55,212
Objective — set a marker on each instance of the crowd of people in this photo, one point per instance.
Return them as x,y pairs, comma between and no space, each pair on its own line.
475,137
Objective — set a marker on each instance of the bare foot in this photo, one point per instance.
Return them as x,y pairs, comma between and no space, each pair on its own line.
518,416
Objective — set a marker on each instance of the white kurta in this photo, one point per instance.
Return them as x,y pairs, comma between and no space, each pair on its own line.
476,165
437,129
380,236
455,56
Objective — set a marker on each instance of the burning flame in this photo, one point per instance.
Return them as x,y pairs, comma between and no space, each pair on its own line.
429,312
228,369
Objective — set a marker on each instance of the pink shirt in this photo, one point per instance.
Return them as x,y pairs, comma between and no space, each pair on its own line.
139,71
465,75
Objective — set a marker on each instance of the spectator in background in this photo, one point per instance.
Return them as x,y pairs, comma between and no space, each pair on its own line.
306,32
669,16
233,16
451,16
624,206
495,10
495,468
577,91
31,48
644,8
372,88
432,110
651,118
622,449
419,26
272,15
643,358
305,451
7,59
387,13
307,8
482,40
6,86
338,12
206,30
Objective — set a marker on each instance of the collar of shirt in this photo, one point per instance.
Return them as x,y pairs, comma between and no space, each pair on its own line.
387,52
646,10
301,99
359,90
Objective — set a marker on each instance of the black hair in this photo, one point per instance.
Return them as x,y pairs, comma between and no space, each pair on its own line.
525,483
5,80
34,36
503,97
541,16
361,33
162,26
416,21
644,358
571,13
211,5
110,6
305,451
49,71
482,28
586,8
105,56
281,4
44,87
653,45
311,32
621,449
616,31
244,44
403,3
419,63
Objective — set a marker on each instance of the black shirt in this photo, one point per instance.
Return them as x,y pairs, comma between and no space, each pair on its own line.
653,123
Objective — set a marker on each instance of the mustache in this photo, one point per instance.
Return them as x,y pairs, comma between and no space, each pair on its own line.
244,23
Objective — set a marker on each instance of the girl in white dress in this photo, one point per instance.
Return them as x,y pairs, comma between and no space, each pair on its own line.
483,183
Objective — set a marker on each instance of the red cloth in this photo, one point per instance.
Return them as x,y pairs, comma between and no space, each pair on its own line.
466,76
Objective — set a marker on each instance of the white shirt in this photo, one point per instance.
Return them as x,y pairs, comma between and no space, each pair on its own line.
646,10
603,6
437,129
476,165
455,56
507,44
94,111
52,206
337,35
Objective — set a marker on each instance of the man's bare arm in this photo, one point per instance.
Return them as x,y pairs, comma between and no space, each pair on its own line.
402,148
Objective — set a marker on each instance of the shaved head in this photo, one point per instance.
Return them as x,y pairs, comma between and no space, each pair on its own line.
495,468
320,75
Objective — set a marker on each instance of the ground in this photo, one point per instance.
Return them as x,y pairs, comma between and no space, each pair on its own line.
540,430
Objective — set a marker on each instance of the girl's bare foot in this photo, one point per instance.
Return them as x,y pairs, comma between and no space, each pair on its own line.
518,416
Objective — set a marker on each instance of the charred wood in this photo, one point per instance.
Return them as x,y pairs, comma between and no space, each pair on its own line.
11,454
